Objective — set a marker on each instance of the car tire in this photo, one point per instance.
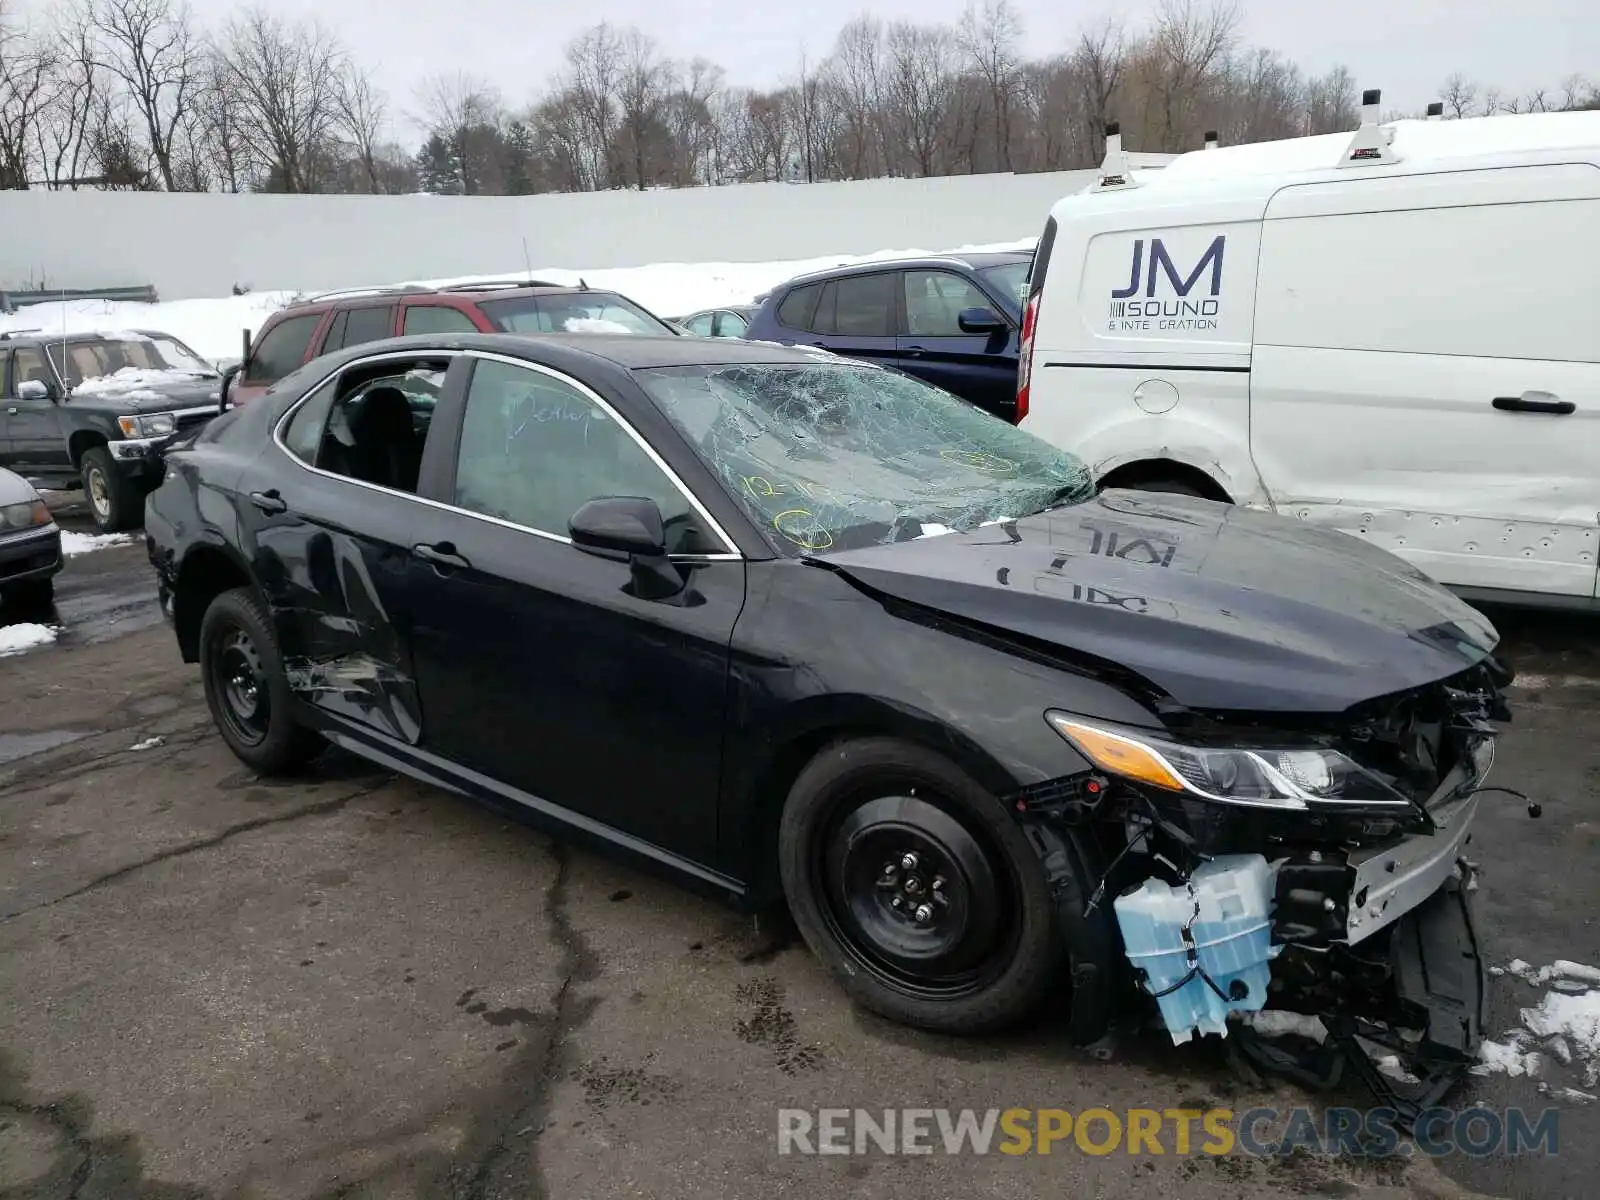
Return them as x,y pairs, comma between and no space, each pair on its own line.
247,690
115,503
990,952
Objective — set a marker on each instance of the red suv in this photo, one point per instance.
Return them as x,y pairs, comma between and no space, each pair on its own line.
293,336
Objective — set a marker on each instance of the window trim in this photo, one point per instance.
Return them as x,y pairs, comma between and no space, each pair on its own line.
282,423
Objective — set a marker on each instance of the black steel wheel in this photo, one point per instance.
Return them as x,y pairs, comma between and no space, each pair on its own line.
916,888
246,688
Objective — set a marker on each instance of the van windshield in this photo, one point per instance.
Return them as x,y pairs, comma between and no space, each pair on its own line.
830,456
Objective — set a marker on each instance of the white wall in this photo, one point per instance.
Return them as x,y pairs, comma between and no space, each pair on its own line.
201,245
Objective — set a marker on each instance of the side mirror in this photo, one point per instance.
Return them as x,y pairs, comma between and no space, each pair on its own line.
35,389
980,320
619,527
229,373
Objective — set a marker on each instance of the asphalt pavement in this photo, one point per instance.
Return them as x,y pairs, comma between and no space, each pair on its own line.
214,985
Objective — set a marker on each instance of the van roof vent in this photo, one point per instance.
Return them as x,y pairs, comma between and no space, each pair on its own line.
1370,146
1116,171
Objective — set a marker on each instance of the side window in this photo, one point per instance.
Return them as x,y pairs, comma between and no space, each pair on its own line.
864,305
28,363
303,434
365,325
731,324
334,338
800,306
934,300
436,318
535,449
282,350
369,424
700,324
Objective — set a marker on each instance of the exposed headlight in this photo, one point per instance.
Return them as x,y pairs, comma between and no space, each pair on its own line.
152,425
30,514
1289,777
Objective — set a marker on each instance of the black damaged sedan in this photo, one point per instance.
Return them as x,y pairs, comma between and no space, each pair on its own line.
797,627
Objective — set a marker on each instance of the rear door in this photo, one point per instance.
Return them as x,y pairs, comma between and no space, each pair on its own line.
358,324
328,515
1426,372
284,347
857,315
980,367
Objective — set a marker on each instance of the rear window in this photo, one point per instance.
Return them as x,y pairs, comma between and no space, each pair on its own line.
799,307
577,312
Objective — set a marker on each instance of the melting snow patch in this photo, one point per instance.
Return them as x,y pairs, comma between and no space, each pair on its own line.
149,743
1508,1057
594,325
73,542
18,639
131,378
933,530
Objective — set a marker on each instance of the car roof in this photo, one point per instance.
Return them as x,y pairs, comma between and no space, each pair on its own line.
1253,172
974,261
482,290
630,351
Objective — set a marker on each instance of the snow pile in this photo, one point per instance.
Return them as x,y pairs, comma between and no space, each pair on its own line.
1564,1025
73,542
131,379
213,327
594,325
18,639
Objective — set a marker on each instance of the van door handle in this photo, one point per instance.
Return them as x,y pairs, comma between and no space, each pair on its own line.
914,351
1535,402
269,501
441,554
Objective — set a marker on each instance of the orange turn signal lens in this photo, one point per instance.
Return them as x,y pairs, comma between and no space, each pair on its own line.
41,513
1117,755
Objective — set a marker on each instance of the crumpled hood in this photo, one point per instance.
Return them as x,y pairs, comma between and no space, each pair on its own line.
1220,607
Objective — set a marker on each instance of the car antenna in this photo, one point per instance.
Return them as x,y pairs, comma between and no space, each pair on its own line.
583,284
527,262
64,373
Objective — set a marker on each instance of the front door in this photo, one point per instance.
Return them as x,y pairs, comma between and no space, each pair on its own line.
538,664
329,527
934,347
34,446
1426,371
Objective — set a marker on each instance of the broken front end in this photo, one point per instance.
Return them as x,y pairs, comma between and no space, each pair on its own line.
1313,868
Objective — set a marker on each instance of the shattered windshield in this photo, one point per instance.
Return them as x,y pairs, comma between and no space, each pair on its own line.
836,456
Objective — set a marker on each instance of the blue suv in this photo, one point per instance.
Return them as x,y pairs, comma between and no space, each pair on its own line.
952,320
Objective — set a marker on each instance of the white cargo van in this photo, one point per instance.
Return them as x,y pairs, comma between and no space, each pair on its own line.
1394,332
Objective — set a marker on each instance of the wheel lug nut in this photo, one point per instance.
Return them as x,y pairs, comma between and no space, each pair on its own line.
924,913
897,902
909,862
938,883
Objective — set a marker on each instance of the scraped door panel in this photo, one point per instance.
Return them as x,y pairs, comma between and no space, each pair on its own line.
1428,377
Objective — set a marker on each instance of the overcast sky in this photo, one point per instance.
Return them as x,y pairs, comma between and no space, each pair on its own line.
1405,47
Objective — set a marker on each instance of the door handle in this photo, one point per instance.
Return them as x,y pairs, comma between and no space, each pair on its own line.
441,554
913,352
1535,402
269,501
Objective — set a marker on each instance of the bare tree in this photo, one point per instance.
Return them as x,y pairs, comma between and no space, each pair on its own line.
1188,42
361,109
594,65
285,76
644,83
150,46
64,132
989,38
1459,95
1098,62
854,73
459,109
920,86
1575,89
